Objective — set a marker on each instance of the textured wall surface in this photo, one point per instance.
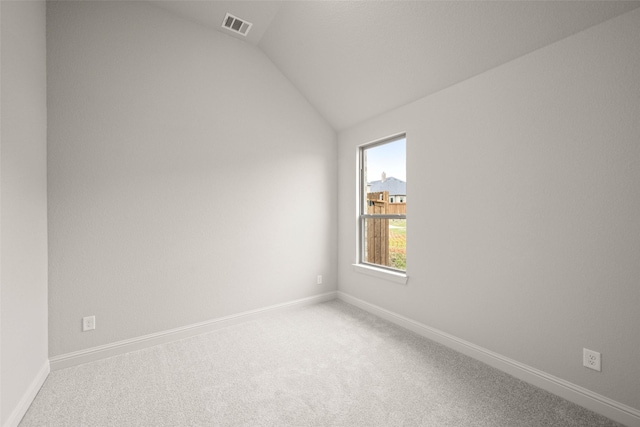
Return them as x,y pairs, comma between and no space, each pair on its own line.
24,202
524,209
188,179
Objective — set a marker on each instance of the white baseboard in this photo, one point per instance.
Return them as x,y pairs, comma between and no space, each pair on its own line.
574,393
139,343
16,415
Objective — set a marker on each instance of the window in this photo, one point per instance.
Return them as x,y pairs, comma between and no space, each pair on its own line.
383,210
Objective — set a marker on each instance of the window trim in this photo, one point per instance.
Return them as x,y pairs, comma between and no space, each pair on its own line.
376,270
397,276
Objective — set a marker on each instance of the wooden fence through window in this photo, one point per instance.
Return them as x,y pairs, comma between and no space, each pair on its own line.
377,230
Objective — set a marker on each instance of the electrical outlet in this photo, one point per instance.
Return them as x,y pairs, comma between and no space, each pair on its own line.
319,280
88,323
591,359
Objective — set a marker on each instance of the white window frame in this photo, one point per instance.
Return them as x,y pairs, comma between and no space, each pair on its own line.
362,266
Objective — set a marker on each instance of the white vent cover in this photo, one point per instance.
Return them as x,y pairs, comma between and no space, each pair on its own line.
237,25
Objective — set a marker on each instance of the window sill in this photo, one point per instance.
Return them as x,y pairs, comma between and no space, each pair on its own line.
381,273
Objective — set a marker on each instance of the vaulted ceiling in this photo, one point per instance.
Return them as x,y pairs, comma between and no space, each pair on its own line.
354,60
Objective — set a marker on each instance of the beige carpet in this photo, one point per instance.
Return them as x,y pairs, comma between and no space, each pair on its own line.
325,365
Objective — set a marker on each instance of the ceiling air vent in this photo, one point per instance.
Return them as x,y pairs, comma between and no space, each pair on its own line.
236,24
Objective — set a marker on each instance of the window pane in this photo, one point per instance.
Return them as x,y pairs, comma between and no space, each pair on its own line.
385,171
385,242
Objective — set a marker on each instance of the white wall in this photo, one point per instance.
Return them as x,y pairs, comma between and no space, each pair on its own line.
524,214
152,121
23,223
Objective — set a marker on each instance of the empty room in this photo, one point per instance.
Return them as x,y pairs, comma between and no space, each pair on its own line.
320,213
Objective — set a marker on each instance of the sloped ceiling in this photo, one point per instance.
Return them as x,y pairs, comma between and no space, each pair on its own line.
212,12
354,60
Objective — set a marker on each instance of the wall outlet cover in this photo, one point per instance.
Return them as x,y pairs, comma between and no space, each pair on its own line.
591,359
88,323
